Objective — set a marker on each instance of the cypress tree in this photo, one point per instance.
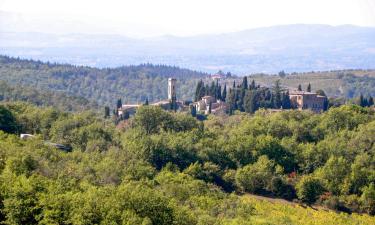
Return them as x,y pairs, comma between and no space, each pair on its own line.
277,95
361,101
218,93
106,112
250,104
119,103
370,101
212,90
252,86
308,88
299,87
193,111
207,90
224,94
198,91
146,102
244,83
286,101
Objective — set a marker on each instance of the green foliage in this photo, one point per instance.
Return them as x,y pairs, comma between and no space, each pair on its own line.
256,177
168,168
309,189
7,121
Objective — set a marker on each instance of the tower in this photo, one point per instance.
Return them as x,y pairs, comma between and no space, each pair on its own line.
172,89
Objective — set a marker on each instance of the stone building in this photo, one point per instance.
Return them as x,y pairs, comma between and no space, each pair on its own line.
209,104
171,89
307,100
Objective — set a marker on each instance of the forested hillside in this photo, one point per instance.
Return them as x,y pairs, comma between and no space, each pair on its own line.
59,100
137,83
169,168
104,86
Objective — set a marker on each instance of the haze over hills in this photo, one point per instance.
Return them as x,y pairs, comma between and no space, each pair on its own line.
293,48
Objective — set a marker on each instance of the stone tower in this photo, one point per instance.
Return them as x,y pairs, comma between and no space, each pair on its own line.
172,89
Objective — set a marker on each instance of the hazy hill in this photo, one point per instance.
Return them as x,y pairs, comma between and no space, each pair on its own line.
293,48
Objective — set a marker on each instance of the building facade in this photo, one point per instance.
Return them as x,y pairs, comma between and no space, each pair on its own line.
172,89
307,100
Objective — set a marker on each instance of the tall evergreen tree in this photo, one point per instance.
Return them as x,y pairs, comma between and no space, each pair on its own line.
207,90
198,91
250,103
252,85
308,88
234,84
119,103
173,104
212,89
361,101
106,112
146,102
244,83
370,101
224,94
299,87
193,111
286,101
218,92
277,95
231,100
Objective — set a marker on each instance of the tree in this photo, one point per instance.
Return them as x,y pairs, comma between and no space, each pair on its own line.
173,104
368,199
231,100
370,101
224,94
255,177
151,118
299,87
277,95
282,74
244,83
106,112
309,189
7,121
308,88
286,100
250,102
234,84
126,115
252,85
200,91
193,111
146,102
119,103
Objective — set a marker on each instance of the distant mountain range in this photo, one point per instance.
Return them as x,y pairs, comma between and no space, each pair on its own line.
292,48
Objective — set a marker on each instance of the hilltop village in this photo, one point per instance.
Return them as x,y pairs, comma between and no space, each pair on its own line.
222,98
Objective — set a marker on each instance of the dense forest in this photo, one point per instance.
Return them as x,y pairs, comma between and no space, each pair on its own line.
161,167
104,86
60,100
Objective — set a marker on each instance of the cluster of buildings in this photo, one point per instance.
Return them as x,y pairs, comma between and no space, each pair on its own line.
301,100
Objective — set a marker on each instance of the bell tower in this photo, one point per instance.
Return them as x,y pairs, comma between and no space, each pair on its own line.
172,89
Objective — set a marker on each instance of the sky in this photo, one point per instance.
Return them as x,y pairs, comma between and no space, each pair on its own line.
145,18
